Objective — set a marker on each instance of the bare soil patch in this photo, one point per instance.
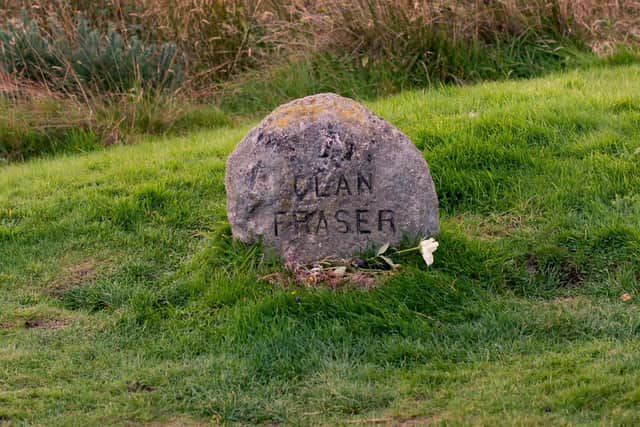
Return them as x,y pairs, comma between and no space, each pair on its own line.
73,275
179,422
138,386
48,324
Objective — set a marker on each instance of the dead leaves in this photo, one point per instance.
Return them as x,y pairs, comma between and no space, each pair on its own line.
334,272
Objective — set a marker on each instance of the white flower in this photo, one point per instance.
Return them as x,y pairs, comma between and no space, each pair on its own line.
383,249
427,248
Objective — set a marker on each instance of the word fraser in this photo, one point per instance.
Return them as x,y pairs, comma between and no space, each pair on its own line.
343,221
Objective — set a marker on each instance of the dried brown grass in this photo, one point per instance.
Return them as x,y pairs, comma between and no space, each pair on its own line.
381,45
15,89
222,38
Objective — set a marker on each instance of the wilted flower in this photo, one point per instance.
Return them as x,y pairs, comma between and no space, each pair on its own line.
339,271
427,248
363,279
383,249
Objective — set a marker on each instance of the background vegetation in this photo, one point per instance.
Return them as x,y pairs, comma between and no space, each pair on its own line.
113,69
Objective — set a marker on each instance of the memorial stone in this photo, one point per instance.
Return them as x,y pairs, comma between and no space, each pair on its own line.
323,176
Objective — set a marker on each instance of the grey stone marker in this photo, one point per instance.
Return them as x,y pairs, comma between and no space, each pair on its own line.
323,176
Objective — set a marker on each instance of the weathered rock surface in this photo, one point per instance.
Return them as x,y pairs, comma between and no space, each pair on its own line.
323,176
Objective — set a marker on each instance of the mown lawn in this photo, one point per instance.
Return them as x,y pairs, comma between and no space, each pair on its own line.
124,301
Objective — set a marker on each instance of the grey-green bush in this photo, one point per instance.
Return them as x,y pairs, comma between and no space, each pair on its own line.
87,59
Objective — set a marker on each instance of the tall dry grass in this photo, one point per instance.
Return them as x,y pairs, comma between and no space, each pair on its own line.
223,38
272,50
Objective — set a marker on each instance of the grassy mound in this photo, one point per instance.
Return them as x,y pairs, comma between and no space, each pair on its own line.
123,298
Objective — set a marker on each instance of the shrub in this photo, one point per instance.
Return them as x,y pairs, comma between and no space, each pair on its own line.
85,60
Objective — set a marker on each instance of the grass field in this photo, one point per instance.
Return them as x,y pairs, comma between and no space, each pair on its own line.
123,299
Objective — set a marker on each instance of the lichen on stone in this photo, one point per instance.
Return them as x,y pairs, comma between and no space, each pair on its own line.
312,107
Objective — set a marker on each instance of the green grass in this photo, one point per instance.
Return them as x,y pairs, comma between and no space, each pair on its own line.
46,126
124,300
438,62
